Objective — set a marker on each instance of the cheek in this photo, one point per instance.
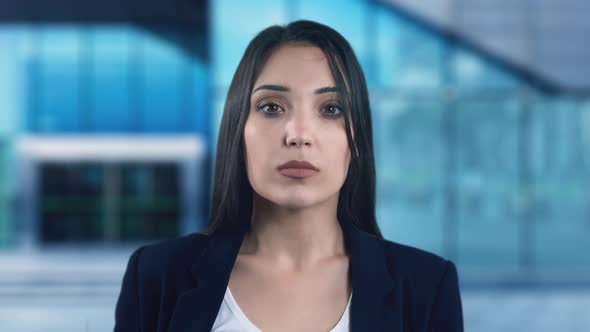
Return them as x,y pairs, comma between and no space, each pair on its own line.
339,153
255,154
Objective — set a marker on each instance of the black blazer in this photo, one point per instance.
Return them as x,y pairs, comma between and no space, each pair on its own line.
178,285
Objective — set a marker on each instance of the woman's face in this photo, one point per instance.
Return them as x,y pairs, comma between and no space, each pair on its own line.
296,114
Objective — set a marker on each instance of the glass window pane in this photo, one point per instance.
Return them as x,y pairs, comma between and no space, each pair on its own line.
408,56
408,158
4,192
161,69
585,133
349,19
110,72
5,162
487,182
150,201
12,57
97,202
471,71
71,202
387,53
198,112
234,24
55,79
202,103
561,183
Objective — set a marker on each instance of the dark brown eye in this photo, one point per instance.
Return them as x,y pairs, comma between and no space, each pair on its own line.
332,110
270,108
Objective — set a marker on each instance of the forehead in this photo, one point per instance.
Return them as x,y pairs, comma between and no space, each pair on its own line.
298,67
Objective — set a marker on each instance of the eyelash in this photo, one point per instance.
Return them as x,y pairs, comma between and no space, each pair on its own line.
271,114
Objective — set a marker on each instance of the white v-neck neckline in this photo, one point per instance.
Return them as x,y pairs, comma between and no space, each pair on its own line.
237,311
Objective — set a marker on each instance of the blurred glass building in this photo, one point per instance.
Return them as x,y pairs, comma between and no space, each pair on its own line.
481,117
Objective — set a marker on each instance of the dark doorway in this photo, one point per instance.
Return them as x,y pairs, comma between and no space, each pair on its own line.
87,202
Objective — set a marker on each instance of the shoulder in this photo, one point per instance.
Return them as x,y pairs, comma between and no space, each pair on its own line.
409,256
431,282
418,268
169,255
156,273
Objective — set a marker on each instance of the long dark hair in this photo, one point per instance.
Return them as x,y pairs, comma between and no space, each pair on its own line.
231,206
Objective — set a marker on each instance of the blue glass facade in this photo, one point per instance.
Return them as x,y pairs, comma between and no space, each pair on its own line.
94,81
473,162
460,137
112,79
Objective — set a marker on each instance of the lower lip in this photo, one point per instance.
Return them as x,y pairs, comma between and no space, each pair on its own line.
298,172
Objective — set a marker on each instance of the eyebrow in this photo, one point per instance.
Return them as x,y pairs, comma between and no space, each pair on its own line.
274,87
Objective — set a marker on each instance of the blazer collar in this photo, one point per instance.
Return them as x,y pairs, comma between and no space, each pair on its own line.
373,288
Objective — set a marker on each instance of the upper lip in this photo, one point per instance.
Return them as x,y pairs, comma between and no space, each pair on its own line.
298,164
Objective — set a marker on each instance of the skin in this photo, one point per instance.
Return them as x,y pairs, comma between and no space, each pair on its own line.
292,271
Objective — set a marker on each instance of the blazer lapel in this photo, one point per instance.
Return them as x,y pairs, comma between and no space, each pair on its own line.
197,308
374,304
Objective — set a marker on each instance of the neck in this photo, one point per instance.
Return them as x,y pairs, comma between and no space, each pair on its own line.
294,237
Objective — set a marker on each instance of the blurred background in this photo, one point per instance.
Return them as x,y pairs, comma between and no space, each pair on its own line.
109,113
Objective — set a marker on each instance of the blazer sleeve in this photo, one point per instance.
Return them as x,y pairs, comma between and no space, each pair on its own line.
447,311
127,311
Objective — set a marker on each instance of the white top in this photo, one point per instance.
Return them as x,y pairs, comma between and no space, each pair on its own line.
231,318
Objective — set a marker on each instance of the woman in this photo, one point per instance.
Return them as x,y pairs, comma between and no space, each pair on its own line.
292,244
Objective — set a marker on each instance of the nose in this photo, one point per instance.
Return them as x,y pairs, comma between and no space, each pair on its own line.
298,141
298,129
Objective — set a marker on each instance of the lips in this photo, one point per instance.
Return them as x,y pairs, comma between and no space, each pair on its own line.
298,164
298,169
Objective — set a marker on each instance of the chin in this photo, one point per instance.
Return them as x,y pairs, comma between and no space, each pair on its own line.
294,202
299,201
290,199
